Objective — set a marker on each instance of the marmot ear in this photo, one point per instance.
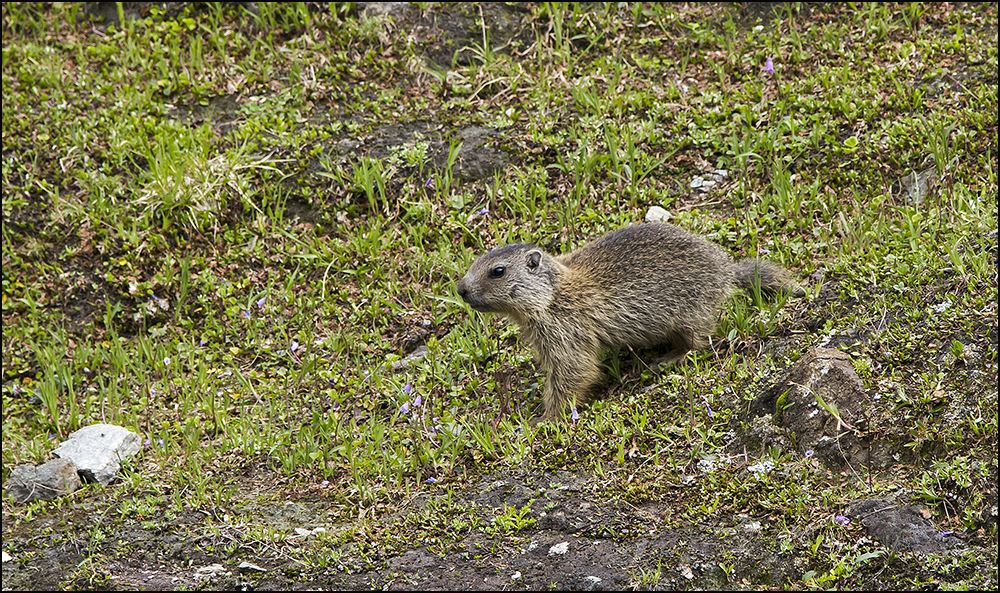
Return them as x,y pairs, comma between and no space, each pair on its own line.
533,258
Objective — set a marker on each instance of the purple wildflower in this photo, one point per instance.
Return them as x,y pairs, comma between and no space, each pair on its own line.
325,483
408,388
946,533
842,519
246,314
429,184
430,481
405,408
711,414
575,416
769,66
147,443
261,301
809,453
417,401
517,430
484,211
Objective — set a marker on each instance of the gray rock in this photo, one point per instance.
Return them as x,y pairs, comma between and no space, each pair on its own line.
916,184
794,402
98,450
45,482
416,356
897,526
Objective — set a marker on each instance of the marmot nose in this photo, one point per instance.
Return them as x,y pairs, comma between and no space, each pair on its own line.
462,290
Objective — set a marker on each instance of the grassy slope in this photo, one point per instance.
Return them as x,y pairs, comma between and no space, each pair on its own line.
204,240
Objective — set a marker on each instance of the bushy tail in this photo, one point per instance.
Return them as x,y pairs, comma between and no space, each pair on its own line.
767,277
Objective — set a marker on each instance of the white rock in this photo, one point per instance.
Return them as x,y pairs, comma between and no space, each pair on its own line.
656,214
97,449
559,549
210,571
248,566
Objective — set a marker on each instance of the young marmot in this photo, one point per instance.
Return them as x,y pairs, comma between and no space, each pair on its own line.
644,285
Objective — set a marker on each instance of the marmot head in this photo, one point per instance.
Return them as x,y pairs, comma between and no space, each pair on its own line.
513,280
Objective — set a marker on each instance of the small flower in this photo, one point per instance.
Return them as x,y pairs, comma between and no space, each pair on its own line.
946,533
484,211
147,443
166,361
769,66
261,302
711,414
246,314
417,401
575,416
295,346
517,430
430,481
201,343
809,452
842,519
408,388
325,483
336,406
405,408
429,184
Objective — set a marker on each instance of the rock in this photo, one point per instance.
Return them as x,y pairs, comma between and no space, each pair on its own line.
210,572
249,567
559,549
656,214
45,482
897,526
97,450
916,184
416,356
593,583
793,402
477,159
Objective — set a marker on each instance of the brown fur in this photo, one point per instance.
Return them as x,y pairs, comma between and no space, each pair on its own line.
644,285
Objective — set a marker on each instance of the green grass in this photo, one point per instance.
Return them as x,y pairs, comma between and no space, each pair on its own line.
204,242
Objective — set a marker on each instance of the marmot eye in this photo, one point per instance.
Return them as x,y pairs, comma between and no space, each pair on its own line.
497,272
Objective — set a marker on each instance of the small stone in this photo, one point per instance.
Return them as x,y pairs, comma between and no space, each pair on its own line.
48,481
209,572
559,549
246,566
7,558
513,577
416,356
656,214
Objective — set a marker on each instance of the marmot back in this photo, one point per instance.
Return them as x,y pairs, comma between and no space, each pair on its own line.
639,286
